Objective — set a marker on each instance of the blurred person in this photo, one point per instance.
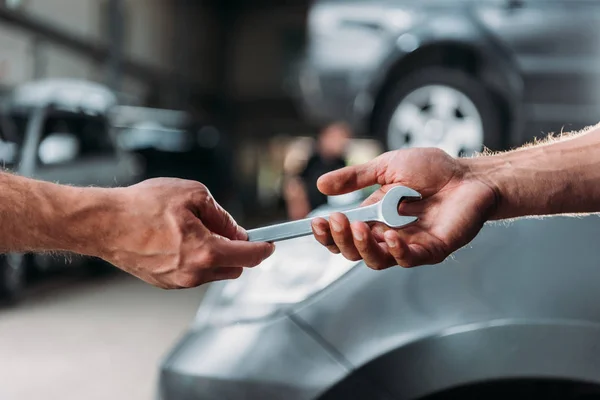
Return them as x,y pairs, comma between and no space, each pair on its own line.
168,232
300,188
556,176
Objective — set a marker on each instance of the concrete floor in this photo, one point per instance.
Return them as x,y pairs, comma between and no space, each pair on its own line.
92,338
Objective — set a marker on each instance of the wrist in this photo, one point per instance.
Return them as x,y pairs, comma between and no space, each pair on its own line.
555,177
494,173
89,219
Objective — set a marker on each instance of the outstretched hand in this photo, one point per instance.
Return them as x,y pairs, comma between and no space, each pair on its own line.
173,234
454,207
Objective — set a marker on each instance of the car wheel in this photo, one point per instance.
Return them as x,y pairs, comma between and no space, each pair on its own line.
13,274
440,107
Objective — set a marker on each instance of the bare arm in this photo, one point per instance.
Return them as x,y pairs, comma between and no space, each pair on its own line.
40,216
560,176
296,199
557,177
168,232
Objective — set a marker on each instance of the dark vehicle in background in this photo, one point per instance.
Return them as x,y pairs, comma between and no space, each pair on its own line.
454,74
512,316
173,143
60,131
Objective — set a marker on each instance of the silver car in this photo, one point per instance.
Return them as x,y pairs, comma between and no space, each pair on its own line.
516,314
454,74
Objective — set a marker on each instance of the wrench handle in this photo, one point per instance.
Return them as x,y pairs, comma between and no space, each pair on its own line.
284,231
295,229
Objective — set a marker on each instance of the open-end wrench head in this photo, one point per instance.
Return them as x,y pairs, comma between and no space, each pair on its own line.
389,206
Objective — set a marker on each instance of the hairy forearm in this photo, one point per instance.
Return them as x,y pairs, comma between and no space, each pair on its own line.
559,176
42,216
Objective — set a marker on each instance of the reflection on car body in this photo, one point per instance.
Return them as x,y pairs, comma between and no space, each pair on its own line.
514,313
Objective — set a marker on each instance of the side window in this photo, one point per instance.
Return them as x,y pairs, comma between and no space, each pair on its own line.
69,139
94,139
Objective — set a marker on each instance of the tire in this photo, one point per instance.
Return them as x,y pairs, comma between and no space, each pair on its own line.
405,118
13,277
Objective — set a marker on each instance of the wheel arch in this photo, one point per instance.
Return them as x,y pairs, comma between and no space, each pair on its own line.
497,73
478,353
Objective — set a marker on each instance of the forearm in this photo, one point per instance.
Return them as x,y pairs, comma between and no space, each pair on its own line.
296,198
42,216
553,178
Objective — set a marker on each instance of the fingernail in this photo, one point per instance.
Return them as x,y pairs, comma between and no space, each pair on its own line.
272,249
336,226
357,235
390,242
318,229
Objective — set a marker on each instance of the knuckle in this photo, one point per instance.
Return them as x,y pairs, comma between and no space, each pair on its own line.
198,193
436,152
195,185
209,257
188,281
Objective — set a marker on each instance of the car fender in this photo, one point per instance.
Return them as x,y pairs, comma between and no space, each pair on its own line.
483,352
452,33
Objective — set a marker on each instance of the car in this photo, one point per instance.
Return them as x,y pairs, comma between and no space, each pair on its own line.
59,130
512,315
459,75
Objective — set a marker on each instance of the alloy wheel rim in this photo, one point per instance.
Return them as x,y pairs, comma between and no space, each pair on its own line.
437,116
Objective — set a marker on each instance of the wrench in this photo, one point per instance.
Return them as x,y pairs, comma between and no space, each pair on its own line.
385,211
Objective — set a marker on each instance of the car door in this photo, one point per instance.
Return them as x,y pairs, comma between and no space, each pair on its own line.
556,46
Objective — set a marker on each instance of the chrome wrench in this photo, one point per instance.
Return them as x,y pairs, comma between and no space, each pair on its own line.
384,211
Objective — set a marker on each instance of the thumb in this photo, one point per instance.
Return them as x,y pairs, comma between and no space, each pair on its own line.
349,179
217,220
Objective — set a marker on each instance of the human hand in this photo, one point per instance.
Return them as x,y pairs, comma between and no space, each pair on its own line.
173,234
455,204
